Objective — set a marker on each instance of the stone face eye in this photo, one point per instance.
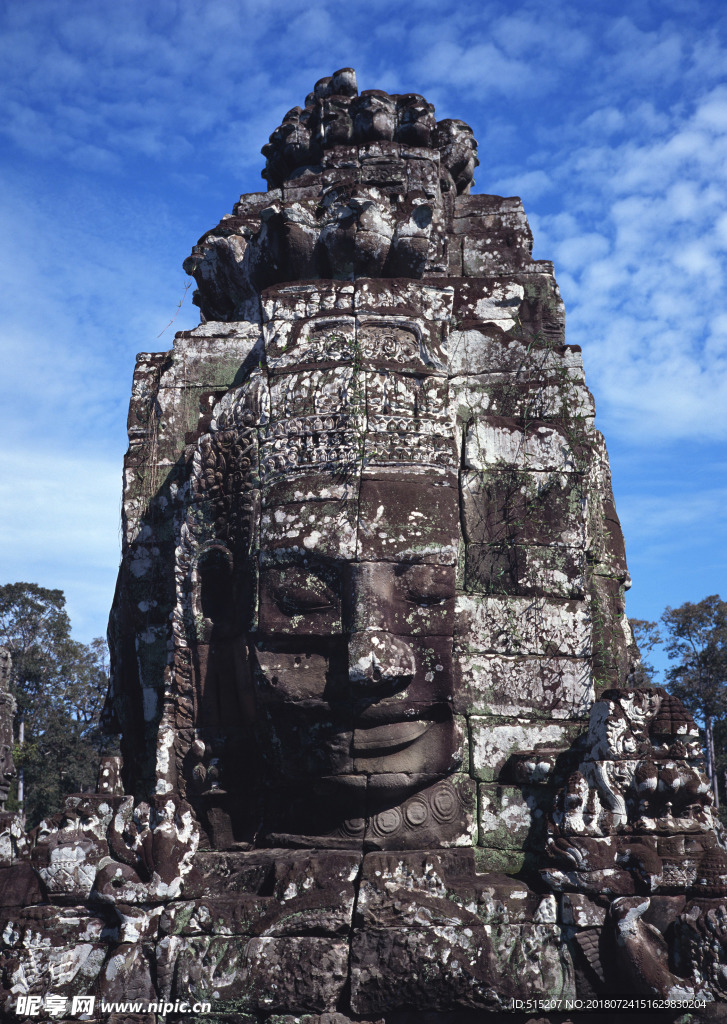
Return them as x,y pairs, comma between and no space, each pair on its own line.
298,600
426,600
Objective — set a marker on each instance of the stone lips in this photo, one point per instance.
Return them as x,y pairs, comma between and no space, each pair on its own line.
370,659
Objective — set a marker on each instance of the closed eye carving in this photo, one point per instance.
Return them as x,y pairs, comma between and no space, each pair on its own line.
303,602
426,600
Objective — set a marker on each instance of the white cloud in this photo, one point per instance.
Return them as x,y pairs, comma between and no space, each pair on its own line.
532,184
712,111
644,261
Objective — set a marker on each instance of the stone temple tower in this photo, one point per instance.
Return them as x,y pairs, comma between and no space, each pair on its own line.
382,759
378,411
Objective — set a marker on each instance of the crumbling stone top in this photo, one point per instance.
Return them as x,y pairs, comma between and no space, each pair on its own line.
359,186
340,127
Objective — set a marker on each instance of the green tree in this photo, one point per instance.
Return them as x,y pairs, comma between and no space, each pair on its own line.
647,637
696,639
59,685
720,761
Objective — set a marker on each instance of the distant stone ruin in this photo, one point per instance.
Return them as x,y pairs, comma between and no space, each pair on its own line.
371,668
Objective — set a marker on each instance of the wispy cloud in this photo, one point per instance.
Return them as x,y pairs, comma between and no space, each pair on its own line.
644,255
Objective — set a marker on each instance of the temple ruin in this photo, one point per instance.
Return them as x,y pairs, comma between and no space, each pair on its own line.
383,759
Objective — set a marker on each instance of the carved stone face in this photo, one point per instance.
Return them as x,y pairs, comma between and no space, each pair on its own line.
353,644
329,488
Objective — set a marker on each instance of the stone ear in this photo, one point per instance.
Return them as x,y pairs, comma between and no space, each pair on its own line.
214,585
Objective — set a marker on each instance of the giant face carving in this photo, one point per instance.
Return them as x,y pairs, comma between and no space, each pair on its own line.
353,646
353,554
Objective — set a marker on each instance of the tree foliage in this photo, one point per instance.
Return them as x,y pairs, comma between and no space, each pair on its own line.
647,637
60,686
696,641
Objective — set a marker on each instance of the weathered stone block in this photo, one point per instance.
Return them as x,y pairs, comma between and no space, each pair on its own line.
555,570
520,506
431,301
127,975
508,862
604,537
498,442
53,949
409,889
418,974
489,684
536,626
426,746
328,528
241,914
472,968
488,257
213,355
297,599
394,400
491,213
428,813
13,838
315,396
392,528
295,301
262,974
310,487
578,910
19,886
408,447
527,394
313,893
614,652
230,872
492,345
513,817
305,741
409,599
390,341
493,742
67,865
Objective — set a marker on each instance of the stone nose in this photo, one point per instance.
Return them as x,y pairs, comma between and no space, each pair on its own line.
379,660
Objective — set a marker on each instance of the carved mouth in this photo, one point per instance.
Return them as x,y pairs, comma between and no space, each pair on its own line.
387,739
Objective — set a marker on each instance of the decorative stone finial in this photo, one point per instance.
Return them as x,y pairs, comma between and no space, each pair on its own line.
340,129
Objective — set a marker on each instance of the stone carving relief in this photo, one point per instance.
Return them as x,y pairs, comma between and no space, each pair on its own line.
344,612
635,822
372,588
358,186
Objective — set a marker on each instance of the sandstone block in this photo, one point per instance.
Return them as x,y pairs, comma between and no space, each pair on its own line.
493,742
538,626
489,684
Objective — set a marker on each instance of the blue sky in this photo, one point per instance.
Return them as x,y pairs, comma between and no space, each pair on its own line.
129,128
